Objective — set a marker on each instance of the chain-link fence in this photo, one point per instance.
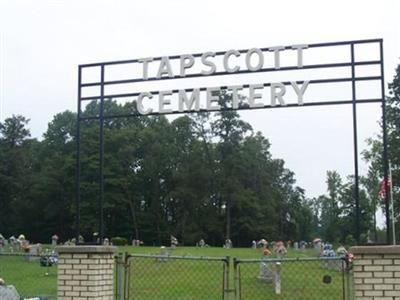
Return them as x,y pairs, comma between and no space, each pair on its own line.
32,276
293,279
174,277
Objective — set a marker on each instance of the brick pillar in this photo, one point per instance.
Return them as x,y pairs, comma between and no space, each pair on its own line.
85,272
376,272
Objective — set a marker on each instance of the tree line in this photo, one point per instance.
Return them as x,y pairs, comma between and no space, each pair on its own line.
202,176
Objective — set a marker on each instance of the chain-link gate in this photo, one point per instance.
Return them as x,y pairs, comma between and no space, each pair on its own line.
144,277
308,278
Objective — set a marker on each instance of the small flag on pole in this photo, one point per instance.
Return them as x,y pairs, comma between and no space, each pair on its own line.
382,188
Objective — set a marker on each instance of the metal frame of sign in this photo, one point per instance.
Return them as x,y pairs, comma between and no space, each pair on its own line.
353,79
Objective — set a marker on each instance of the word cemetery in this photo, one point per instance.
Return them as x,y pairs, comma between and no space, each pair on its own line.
191,101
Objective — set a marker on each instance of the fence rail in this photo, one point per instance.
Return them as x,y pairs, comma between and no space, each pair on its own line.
31,275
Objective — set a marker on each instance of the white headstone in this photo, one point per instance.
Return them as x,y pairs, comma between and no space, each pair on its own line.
254,244
277,278
318,248
9,293
265,273
34,252
163,257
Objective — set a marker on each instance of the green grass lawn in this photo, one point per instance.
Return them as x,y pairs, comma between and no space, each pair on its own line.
29,278
185,279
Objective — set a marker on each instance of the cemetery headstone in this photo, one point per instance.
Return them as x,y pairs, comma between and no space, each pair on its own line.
289,244
296,246
228,244
174,242
8,292
265,274
302,245
3,242
202,243
81,240
54,240
163,257
277,278
317,246
254,244
34,252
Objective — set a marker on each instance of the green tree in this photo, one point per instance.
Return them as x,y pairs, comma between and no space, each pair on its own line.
330,211
15,175
230,131
54,183
205,176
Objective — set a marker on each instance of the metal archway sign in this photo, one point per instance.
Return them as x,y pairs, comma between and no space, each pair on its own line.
128,79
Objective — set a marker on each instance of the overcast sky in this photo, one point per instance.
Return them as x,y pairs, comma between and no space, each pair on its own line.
43,41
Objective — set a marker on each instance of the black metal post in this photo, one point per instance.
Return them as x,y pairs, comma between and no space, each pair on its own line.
385,150
101,137
375,232
78,158
356,179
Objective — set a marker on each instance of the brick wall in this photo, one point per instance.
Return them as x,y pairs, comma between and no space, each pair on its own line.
85,272
376,272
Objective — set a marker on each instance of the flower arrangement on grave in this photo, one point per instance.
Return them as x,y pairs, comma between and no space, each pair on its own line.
279,249
266,252
26,247
349,258
23,243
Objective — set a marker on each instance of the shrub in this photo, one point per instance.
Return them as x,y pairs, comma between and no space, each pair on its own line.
350,240
119,241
